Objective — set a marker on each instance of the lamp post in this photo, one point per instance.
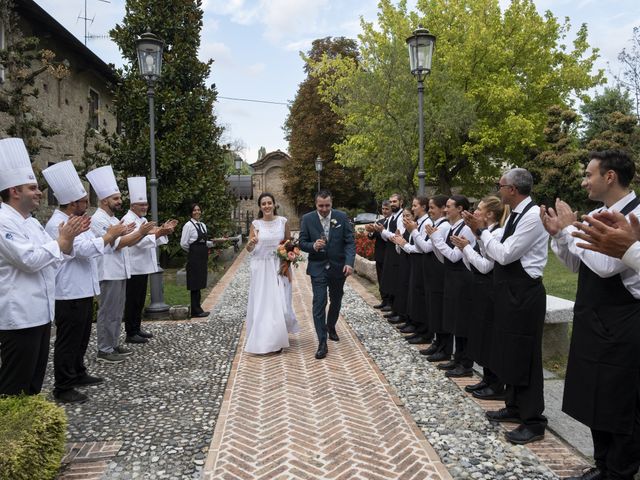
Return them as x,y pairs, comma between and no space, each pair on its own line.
238,164
149,49
319,169
421,45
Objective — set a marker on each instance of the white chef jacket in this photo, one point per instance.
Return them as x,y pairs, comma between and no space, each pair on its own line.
29,258
114,264
564,246
190,234
142,255
77,277
529,243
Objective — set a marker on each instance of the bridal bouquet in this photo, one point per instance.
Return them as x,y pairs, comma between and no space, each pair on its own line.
289,254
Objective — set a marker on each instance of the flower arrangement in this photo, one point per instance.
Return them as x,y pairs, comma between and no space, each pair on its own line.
289,254
365,246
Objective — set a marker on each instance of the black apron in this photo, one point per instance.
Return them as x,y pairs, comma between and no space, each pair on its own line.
197,261
401,296
391,270
520,309
456,298
434,275
417,300
603,370
481,324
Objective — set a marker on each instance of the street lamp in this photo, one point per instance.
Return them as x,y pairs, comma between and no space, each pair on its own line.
149,49
421,45
236,210
319,169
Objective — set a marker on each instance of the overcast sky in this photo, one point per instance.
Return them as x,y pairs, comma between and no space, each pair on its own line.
255,45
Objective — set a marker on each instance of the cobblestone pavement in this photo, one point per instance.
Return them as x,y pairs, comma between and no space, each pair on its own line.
160,406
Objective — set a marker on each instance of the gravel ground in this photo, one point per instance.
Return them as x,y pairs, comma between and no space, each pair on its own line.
163,402
469,445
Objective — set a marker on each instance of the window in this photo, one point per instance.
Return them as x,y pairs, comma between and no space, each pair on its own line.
94,107
2,47
52,201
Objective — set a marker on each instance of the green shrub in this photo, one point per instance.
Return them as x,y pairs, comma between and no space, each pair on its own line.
32,437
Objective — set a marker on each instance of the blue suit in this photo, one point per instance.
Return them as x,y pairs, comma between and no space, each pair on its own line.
326,267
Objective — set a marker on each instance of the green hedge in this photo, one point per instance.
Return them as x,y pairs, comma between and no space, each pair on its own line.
32,437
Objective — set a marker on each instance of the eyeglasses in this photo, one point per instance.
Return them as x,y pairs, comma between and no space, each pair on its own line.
499,186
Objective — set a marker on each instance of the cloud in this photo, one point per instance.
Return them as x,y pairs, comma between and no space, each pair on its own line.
256,69
218,51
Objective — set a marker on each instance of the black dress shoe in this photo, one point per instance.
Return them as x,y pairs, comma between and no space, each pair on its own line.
591,474
476,386
438,357
334,336
412,336
87,380
135,339
408,328
70,396
429,350
322,350
145,334
390,314
419,340
502,415
450,365
459,372
380,305
489,393
200,315
395,320
523,435
386,308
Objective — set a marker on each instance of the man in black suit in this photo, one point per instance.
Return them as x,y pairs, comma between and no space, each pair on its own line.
327,236
384,305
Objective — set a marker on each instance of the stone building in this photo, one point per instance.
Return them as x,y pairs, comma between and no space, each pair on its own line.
72,104
267,177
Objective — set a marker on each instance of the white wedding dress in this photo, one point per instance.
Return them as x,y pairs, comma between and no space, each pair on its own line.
270,316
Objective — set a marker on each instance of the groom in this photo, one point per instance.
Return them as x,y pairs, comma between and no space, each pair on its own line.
327,236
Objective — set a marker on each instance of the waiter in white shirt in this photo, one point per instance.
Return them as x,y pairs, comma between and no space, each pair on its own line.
76,284
392,258
601,387
114,268
379,249
28,261
143,258
520,306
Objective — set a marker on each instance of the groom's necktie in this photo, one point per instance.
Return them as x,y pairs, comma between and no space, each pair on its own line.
325,226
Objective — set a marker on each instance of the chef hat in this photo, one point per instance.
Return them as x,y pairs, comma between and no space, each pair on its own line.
137,189
103,182
65,182
15,165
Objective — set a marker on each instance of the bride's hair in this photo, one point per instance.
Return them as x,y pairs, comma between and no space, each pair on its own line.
273,199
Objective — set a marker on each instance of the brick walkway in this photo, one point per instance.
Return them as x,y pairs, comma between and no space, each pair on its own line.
292,416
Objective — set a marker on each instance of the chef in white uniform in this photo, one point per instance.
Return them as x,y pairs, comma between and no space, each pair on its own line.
28,261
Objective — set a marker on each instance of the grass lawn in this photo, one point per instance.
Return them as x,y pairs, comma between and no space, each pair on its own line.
559,280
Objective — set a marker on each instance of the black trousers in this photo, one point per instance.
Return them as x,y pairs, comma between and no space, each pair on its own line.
195,302
384,296
73,329
323,320
492,379
134,303
444,342
527,402
23,359
616,454
461,357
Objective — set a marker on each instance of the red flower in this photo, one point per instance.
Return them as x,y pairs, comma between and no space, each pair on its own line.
365,246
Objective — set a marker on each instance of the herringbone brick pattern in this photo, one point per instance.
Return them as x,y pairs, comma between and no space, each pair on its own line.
87,460
292,416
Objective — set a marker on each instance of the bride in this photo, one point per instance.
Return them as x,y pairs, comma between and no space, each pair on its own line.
270,316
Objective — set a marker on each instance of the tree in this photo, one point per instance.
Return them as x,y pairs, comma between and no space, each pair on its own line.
558,170
23,61
494,75
631,75
597,111
190,160
312,130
